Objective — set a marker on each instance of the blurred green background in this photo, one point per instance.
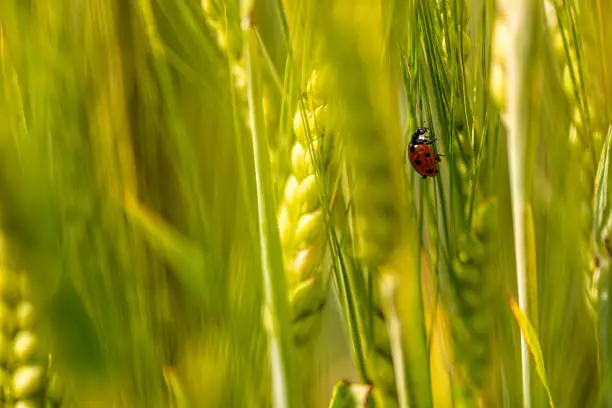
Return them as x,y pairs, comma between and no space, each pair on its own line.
210,203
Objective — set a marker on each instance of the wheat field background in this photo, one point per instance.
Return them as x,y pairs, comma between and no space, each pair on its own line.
209,203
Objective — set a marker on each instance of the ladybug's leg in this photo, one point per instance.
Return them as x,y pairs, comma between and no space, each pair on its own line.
424,177
438,157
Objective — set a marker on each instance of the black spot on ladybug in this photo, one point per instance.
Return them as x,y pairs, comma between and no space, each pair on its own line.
427,154
430,171
412,149
418,162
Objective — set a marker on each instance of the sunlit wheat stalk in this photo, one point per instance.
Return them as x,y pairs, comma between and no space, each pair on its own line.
284,374
520,100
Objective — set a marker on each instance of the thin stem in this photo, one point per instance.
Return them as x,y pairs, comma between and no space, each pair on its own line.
388,289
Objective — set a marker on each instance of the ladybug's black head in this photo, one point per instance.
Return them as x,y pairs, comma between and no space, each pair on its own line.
418,133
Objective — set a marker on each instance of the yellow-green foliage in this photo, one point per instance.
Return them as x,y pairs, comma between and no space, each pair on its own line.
167,183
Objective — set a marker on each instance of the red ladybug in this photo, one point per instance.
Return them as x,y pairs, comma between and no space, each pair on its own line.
421,155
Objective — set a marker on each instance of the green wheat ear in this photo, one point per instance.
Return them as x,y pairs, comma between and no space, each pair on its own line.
472,292
585,138
457,27
367,112
377,236
378,351
223,18
470,288
303,212
27,381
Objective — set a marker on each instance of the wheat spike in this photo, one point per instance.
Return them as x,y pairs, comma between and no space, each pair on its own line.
585,138
302,218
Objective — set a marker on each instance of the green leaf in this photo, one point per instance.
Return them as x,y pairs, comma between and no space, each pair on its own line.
533,344
286,390
347,395
184,255
78,346
174,385
601,236
603,195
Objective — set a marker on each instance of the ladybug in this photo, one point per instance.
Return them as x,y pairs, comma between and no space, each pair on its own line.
421,155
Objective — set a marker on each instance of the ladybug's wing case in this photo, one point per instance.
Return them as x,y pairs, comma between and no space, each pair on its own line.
416,161
429,164
423,161
412,157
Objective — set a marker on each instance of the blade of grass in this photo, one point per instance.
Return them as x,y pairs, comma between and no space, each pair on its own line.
531,337
388,289
346,395
186,258
286,391
602,224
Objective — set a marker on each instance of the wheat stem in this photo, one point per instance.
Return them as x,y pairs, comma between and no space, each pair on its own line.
524,22
286,392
